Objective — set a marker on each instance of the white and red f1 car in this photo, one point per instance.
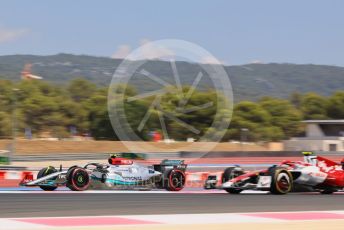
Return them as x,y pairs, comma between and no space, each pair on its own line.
315,173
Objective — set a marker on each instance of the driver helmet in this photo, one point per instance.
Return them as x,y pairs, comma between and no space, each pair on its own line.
310,157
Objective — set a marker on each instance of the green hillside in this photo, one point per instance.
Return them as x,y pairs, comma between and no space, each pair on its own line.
250,81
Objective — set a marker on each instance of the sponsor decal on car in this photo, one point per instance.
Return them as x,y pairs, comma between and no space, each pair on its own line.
61,176
132,178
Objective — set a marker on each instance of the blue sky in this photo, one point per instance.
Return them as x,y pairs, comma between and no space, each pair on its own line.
236,32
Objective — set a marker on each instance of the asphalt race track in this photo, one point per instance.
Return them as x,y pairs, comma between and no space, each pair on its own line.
90,204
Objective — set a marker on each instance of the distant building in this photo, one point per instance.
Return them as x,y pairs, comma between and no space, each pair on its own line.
321,135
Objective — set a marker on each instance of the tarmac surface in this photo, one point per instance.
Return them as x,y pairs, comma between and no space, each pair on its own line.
44,204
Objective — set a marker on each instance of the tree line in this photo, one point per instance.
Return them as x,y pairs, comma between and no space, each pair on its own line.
80,108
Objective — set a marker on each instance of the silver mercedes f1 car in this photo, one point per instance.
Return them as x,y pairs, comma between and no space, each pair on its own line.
119,173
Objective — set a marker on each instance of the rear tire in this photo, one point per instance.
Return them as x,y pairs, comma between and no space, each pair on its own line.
281,181
175,180
45,172
77,179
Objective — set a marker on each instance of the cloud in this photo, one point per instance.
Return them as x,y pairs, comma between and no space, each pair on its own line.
256,62
121,52
150,50
8,35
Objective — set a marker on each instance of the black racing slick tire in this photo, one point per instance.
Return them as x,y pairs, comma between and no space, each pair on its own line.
45,172
327,192
233,190
77,179
229,174
175,180
281,181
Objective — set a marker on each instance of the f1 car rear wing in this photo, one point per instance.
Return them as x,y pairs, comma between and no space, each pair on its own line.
170,164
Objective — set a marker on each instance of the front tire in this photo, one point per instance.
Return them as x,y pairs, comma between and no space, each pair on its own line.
45,172
231,173
327,192
77,179
281,181
233,190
